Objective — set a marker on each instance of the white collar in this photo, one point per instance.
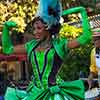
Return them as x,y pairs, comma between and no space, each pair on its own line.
97,56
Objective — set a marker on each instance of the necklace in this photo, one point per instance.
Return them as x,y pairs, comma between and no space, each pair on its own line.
44,45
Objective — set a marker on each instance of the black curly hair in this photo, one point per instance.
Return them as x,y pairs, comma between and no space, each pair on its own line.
54,29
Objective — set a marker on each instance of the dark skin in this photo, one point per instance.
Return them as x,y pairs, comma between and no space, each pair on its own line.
40,33
90,78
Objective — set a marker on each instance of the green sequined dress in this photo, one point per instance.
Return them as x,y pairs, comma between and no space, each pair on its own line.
45,84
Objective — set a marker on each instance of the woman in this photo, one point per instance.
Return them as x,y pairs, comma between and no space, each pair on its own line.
46,55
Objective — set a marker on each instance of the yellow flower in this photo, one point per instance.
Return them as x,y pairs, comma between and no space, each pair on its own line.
20,23
69,31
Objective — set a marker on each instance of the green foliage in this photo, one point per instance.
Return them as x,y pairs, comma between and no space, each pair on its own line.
76,61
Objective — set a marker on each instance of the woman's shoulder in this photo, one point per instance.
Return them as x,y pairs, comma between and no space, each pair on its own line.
60,46
59,40
30,44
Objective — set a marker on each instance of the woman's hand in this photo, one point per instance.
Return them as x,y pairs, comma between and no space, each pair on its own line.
89,83
6,40
11,24
92,83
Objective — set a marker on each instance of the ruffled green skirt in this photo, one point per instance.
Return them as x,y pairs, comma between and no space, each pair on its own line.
64,91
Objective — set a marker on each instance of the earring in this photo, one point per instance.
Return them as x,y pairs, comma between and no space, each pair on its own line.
46,27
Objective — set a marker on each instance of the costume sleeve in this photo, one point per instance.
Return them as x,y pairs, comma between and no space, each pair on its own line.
29,46
60,46
93,62
43,11
6,40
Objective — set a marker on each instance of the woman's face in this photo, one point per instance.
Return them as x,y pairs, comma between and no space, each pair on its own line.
39,30
97,42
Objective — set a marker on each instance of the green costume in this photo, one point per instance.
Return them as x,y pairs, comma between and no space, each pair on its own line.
44,71
45,67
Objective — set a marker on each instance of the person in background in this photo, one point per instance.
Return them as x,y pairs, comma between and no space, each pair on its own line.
95,54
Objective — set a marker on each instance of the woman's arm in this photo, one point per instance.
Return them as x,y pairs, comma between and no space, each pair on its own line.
19,49
7,45
87,34
73,44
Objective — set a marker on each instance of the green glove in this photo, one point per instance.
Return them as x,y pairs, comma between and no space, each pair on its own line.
6,40
87,34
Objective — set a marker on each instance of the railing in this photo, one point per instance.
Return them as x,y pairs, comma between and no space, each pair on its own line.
14,57
94,22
